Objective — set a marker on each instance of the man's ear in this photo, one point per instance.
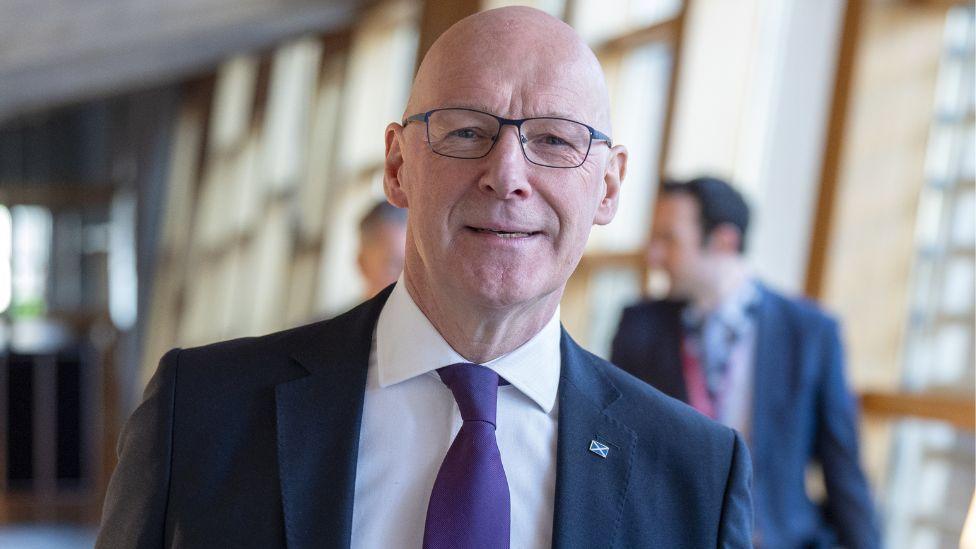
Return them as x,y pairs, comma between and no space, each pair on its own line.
361,260
392,185
725,238
613,178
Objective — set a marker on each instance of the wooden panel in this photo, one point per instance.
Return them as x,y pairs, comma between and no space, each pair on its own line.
663,32
866,247
678,37
832,151
54,195
954,409
602,260
437,16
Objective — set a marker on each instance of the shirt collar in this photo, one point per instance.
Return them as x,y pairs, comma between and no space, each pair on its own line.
735,310
408,345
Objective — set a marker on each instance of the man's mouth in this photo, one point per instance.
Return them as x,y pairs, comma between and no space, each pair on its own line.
503,233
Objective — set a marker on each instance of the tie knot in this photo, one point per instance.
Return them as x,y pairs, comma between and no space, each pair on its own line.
475,390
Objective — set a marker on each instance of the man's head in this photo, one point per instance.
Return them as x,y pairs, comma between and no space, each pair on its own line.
499,230
382,232
699,229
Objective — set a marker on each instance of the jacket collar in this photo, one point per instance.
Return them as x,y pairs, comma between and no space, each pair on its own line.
319,417
587,484
318,420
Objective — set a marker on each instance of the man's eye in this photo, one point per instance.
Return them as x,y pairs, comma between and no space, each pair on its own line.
465,133
553,140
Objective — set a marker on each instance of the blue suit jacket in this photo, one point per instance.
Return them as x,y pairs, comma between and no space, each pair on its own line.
802,411
254,442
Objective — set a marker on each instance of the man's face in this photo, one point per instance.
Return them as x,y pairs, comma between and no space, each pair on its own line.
498,229
381,256
677,243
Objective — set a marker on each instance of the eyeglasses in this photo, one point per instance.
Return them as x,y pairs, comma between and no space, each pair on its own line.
546,141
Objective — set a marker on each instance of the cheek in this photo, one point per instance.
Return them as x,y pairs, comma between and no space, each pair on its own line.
432,190
576,209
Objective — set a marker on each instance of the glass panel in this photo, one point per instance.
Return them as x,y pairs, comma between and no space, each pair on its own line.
964,220
924,490
949,366
949,93
123,284
378,84
340,284
938,160
611,291
246,174
183,165
212,214
598,21
552,7
932,471
638,84
929,220
967,166
323,144
31,251
6,245
233,102
294,74
270,263
301,290
228,290
957,288
196,326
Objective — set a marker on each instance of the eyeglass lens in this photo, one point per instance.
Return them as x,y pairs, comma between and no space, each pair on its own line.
461,133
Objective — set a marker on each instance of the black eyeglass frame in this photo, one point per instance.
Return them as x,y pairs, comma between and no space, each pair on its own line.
502,122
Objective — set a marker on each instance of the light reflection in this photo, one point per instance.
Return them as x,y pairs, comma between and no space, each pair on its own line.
30,254
5,246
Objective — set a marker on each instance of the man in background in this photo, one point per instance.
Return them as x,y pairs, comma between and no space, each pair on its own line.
382,235
765,364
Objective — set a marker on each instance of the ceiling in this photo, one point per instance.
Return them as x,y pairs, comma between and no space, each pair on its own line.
54,52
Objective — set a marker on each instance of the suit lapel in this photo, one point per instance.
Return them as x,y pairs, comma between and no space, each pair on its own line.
318,420
668,344
590,490
771,380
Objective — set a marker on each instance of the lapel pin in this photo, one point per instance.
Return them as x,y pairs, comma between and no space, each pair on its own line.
599,449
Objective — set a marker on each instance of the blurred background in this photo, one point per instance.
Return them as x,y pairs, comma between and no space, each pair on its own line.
175,173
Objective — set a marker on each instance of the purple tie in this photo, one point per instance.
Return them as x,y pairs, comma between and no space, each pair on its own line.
469,505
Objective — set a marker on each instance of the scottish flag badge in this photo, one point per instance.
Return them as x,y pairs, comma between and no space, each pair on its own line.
599,449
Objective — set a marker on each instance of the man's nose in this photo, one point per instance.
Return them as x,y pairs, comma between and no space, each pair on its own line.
507,173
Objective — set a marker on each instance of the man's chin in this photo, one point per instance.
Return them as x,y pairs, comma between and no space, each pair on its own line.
503,292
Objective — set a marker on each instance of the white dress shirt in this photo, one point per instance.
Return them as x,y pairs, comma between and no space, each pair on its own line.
410,419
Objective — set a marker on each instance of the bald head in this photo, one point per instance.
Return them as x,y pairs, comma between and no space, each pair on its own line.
534,64
501,233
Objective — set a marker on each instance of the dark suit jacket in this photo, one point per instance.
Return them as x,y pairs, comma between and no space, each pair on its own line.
253,443
802,411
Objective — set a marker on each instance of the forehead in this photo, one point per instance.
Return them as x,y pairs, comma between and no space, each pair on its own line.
511,91
513,67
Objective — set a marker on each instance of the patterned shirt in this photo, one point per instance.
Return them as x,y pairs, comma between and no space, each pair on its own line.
721,344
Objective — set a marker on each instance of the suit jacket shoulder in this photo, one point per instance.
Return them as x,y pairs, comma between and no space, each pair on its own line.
689,477
800,311
648,344
200,460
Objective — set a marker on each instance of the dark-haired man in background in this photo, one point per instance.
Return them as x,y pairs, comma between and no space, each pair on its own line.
770,366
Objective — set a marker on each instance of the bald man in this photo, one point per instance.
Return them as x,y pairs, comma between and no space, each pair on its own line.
451,410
